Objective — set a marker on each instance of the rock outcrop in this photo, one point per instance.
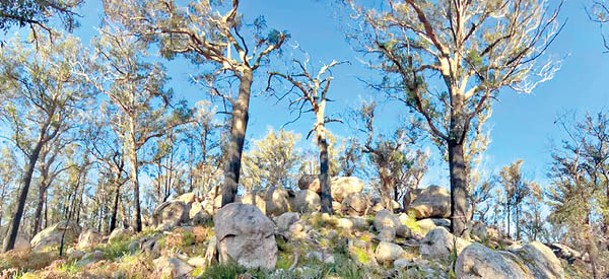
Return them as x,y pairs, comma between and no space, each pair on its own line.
89,238
277,202
387,252
439,243
431,202
477,261
53,234
355,204
166,267
533,260
245,235
309,182
306,201
258,200
170,214
343,186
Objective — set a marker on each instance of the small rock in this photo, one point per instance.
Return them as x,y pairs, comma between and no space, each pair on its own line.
172,268
401,263
75,253
197,262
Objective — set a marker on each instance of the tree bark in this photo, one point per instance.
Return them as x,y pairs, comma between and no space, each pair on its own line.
115,207
137,224
458,187
240,117
38,212
324,177
13,229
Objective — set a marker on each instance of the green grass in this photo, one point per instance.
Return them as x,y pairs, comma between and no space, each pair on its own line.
69,268
411,223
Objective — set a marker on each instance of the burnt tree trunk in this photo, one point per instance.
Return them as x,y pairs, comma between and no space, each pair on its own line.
240,117
324,176
458,187
13,229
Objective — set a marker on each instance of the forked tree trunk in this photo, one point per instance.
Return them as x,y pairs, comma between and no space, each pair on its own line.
238,129
458,187
13,229
324,176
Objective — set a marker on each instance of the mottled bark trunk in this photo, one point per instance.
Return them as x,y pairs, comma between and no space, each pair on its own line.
13,229
324,177
458,187
238,130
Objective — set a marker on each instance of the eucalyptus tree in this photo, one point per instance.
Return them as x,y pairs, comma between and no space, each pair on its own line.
45,97
36,13
105,146
400,168
139,105
311,91
271,161
447,61
50,166
208,33
516,188
8,180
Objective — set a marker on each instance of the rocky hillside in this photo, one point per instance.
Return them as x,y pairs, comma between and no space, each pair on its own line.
189,237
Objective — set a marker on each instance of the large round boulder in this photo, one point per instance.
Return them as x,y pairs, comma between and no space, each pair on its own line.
387,252
306,201
343,186
277,202
22,245
431,202
52,235
439,243
478,262
355,204
540,260
170,214
309,182
245,235
254,199
89,238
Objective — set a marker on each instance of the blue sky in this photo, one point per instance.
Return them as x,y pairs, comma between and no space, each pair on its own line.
522,126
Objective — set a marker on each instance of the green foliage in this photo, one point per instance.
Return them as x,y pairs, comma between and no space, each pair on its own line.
226,271
271,162
115,249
